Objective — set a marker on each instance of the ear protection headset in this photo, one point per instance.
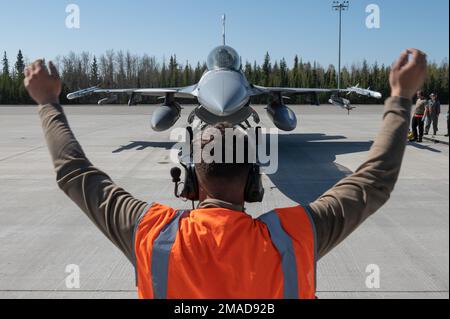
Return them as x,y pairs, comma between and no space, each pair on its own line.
190,187
254,190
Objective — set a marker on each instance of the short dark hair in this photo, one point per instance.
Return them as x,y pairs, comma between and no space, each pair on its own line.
223,169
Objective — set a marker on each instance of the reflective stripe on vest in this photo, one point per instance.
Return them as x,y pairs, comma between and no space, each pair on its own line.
161,252
283,243
136,226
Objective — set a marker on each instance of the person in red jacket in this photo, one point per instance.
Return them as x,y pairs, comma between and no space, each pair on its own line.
217,250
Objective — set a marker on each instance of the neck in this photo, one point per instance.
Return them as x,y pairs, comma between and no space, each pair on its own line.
217,203
234,196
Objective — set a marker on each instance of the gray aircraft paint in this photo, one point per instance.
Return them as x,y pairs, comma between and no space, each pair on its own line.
223,92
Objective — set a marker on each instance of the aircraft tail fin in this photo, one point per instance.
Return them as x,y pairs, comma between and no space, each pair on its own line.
224,38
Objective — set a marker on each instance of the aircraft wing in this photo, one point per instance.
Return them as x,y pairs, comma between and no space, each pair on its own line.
182,92
257,90
267,90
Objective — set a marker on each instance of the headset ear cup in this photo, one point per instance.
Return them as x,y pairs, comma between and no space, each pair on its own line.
190,189
254,190
195,189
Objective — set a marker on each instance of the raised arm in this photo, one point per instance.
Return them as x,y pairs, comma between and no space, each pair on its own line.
338,212
111,209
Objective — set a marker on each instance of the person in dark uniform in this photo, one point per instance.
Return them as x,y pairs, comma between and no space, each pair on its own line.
418,117
448,122
433,111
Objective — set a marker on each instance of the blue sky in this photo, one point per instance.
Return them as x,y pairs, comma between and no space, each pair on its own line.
191,28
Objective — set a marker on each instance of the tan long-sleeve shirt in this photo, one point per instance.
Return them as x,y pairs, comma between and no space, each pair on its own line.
336,214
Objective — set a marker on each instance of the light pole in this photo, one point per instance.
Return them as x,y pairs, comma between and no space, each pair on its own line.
340,6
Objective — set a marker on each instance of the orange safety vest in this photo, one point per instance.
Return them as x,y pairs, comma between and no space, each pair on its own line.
217,253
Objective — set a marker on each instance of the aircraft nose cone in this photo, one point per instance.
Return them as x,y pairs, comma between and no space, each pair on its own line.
223,93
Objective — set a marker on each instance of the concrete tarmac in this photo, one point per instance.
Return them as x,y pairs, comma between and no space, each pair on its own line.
42,231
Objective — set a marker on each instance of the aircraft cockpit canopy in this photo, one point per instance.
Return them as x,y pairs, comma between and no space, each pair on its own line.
224,57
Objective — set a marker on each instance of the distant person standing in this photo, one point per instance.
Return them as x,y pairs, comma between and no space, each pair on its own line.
433,111
418,117
448,122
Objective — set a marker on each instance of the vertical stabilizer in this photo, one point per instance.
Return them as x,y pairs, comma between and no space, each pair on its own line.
224,18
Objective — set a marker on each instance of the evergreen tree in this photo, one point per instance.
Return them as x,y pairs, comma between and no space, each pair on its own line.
20,94
187,74
248,72
256,73
163,75
173,71
20,64
267,70
275,76
198,72
284,77
94,77
5,68
295,79
5,82
127,70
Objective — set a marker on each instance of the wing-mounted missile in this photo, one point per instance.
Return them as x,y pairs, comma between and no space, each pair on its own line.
341,102
108,100
366,92
82,93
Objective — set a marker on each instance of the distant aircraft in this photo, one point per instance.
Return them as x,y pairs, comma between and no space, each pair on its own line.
224,95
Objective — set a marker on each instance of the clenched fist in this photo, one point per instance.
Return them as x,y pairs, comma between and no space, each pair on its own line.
408,75
43,87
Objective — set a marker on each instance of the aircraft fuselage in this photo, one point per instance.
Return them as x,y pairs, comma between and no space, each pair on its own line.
223,92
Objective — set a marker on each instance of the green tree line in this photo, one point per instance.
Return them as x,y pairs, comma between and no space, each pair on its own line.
125,70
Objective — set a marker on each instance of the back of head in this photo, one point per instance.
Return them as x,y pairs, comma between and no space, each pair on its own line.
223,153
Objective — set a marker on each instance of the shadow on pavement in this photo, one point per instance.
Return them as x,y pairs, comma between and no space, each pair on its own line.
141,145
424,147
307,166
